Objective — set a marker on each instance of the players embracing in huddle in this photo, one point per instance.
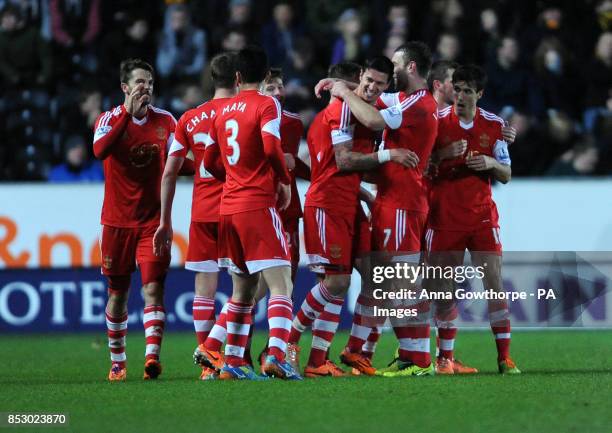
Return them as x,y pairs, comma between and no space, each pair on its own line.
242,148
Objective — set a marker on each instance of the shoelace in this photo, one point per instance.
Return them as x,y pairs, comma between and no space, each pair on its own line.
393,362
116,368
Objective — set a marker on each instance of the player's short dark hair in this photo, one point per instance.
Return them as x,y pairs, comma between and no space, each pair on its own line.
473,75
347,71
439,70
419,53
223,71
380,64
252,63
128,65
274,73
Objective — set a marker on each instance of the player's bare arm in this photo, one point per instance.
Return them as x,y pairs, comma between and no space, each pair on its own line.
346,160
328,83
501,172
163,235
283,192
367,114
290,161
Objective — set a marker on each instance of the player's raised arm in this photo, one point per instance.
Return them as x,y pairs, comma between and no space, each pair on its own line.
108,129
367,114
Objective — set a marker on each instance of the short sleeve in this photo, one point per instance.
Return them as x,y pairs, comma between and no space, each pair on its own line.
340,124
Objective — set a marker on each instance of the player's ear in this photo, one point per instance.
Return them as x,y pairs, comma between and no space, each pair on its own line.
238,79
479,94
125,88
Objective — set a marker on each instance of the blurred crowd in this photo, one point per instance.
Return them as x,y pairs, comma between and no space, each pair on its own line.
549,65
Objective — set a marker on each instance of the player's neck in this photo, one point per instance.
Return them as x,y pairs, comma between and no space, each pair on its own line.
248,86
224,93
415,84
440,101
466,116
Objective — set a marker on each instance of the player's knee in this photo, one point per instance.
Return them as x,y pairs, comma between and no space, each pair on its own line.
152,273
118,285
337,284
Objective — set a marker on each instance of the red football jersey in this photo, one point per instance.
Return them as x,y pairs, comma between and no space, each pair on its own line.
291,131
135,164
412,123
331,188
460,197
244,127
192,133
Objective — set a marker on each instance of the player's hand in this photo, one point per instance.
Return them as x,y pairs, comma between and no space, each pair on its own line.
290,161
324,84
508,133
284,196
480,162
405,157
339,89
135,99
162,240
453,150
367,197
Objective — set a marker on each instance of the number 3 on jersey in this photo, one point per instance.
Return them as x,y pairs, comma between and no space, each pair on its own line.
232,126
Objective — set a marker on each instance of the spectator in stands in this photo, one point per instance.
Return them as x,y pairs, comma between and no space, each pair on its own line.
509,87
35,13
77,168
234,40
352,45
240,17
131,39
25,58
599,82
556,78
75,26
187,96
579,161
182,47
279,35
448,48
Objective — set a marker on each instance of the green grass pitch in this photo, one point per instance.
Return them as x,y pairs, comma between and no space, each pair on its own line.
566,387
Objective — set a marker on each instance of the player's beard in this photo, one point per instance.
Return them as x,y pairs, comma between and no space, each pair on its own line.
401,82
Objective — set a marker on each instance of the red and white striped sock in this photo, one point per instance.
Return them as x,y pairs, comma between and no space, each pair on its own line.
499,318
116,329
323,331
280,313
446,330
312,306
239,320
363,322
446,342
154,320
203,317
218,333
414,336
369,347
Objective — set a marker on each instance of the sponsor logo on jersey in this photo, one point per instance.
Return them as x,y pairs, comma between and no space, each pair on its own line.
142,155
161,132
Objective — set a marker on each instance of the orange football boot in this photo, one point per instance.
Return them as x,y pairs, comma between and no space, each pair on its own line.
444,366
327,369
152,369
117,373
358,361
460,368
